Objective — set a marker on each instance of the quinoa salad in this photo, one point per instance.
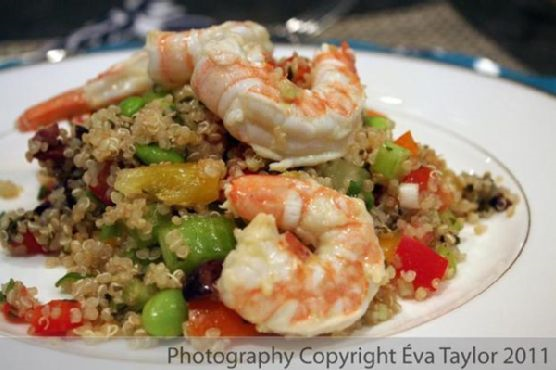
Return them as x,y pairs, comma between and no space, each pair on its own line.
233,195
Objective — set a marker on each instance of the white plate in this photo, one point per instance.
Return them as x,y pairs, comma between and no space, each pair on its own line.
455,111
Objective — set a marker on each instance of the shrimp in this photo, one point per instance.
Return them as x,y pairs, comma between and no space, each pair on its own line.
174,55
119,81
275,280
279,120
166,60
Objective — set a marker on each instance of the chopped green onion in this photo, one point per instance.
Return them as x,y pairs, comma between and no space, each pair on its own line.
454,223
355,187
450,254
341,172
93,198
369,200
389,159
378,122
140,241
10,285
69,278
149,96
152,153
43,192
131,105
109,232
136,294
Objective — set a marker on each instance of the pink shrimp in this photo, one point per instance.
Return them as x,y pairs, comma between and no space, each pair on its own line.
173,56
281,284
119,81
294,126
168,61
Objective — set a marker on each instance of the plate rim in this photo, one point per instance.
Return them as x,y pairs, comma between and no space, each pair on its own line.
357,49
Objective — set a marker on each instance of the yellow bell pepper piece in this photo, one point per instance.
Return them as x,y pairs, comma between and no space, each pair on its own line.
389,244
174,184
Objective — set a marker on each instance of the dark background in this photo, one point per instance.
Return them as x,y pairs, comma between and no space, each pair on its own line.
524,29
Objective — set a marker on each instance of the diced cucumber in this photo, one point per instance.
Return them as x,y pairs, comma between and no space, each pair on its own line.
389,159
378,122
454,223
208,238
342,172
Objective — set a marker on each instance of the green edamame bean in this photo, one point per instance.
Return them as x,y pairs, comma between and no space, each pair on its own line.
131,105
152,153
208,238
164,313
355,187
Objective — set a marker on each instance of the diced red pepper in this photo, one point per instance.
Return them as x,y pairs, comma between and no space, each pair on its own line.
427,264
10,315
32,247
58,322
420,176
207,313
302,71
101,190
406,141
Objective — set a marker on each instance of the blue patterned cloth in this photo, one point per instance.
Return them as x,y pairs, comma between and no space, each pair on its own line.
126,27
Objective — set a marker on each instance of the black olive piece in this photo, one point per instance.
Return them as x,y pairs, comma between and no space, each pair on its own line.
201,281
80,131
378,191
41,208
499,202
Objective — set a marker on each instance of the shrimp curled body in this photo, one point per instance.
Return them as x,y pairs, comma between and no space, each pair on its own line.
275,281
173,56
230,69
294,126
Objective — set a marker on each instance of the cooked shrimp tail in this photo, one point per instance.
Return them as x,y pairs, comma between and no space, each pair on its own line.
277,281
119,81
65,105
